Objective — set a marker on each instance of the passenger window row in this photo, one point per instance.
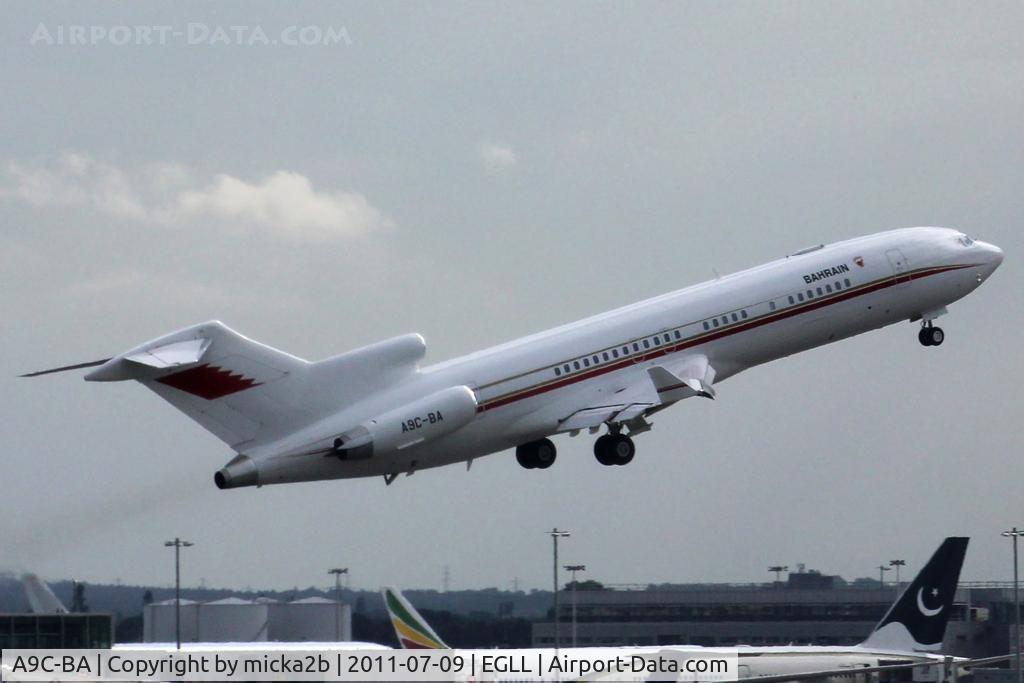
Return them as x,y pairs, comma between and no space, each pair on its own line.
654,341
735,317
662,338
817,292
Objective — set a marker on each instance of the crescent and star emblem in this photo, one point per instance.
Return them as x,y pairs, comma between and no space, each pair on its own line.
920,603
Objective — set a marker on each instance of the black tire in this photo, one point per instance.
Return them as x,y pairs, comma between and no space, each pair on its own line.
524,456
544,454
603,449
937,336
623,450
925,336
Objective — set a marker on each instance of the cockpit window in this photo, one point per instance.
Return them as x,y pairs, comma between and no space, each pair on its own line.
965,240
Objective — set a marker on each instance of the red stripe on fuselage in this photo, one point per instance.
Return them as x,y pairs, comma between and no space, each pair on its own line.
712,336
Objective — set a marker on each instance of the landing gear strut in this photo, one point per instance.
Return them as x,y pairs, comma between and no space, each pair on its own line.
536,454
614,449
930,335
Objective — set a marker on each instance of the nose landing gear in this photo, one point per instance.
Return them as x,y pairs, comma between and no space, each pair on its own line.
930,335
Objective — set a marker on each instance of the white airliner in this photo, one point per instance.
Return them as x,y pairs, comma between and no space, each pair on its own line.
908,636
375,411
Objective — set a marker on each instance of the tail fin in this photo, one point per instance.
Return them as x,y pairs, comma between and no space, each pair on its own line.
41,599
247,393
917,620
412,630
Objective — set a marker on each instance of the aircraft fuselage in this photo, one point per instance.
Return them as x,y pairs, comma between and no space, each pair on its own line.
530,388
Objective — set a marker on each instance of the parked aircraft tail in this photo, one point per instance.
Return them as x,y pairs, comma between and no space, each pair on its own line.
412,630
247,393
917,620
41,600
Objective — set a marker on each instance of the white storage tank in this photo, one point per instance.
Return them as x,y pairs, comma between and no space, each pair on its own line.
158,622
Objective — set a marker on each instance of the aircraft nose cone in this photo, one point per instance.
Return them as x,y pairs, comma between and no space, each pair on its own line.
997,255
994,255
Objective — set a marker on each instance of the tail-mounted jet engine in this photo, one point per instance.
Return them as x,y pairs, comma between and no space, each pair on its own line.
414,423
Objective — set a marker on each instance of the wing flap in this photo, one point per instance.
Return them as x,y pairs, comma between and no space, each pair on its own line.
588,417
632,411
658,385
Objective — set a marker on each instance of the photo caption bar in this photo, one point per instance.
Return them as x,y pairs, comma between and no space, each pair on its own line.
211,664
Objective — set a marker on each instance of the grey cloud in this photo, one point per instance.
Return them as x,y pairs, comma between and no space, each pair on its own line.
284,204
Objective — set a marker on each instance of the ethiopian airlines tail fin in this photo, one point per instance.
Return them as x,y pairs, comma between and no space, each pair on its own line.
247,393
917,620
412,630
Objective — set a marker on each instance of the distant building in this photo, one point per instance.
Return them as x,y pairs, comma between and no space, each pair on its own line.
48,625
261,620
55,631
813,610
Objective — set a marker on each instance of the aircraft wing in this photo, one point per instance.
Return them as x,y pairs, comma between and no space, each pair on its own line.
654,387
621,406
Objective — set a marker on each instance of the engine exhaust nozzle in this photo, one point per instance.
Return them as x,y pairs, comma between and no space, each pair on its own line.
241,471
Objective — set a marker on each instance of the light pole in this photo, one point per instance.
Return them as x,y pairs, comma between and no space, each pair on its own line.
574,568
778,569
338,571
897,564
556,534
1014,533
881,575
178,544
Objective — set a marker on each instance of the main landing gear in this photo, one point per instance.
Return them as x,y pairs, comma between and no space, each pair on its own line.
614,449
930,335
536,454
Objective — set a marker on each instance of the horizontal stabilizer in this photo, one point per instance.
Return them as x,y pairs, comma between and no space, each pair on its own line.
172,355
76,366
141,363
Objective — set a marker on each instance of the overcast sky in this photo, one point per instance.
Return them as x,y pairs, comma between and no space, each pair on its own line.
476,172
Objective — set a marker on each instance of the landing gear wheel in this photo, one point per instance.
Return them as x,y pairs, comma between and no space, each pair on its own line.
536,454
524,456
614,449
544,454
931,336
623,449
603,449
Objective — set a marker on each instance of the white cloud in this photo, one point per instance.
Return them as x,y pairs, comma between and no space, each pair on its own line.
496,157
284,203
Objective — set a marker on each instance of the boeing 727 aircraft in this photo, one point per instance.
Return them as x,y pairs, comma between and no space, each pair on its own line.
375,411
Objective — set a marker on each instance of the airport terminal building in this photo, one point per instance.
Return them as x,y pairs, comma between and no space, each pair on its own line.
812,611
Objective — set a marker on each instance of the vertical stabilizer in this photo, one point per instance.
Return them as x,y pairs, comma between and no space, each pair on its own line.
247,393
412,630
917,620
41,599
